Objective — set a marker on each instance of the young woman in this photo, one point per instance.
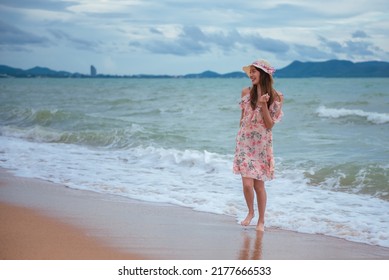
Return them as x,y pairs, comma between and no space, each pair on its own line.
261,108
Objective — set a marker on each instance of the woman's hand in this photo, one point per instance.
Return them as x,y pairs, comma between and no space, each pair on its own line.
264,98
269,123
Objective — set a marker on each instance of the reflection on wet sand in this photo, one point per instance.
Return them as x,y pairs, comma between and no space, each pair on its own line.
251,246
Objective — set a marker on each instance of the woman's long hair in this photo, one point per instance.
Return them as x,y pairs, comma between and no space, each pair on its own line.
266,85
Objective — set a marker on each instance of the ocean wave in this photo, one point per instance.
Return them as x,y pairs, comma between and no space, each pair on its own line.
203,181
373,117
114,138
29,116
352,177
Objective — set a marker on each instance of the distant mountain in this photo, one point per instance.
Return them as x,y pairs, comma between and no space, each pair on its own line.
211,74
33,72
9,71
297,69
6,71
43,71
206,74
234,75
334,69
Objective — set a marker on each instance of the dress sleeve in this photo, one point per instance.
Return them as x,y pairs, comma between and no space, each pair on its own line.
276,109
244,101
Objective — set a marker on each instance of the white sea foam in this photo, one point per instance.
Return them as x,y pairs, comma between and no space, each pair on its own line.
202,181
373,117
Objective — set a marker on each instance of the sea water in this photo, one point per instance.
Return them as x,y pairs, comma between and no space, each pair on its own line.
173,140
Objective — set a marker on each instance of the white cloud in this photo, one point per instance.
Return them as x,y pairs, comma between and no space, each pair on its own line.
190,35
10,35
104,6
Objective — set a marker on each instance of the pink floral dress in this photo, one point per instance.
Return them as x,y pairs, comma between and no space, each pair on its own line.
254,142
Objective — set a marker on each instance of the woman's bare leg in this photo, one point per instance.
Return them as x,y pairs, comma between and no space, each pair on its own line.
260,191
248,191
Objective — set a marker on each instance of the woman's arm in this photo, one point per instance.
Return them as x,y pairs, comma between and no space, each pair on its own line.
245,91
269,123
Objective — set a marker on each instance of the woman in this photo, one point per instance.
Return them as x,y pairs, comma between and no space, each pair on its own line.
261,108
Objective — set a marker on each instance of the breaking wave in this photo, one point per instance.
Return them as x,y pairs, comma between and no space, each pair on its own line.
373,117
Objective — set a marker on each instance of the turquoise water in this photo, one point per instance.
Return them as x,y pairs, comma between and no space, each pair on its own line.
172,140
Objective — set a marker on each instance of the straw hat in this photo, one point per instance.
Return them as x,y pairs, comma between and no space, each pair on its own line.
262,64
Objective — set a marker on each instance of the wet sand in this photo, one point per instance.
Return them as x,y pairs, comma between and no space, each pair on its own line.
43,220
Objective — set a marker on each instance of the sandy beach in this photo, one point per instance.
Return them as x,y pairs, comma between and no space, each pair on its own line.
42,220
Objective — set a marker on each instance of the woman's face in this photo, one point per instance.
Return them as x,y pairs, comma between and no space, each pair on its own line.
254,75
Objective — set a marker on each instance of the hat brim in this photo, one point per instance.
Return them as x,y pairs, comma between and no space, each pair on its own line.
246,69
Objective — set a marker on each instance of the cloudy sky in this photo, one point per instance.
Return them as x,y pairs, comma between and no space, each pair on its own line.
188,36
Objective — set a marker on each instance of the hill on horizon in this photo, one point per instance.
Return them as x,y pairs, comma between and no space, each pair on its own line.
334,69
297,69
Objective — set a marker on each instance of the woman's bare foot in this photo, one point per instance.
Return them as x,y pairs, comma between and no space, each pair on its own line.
260,227
248,219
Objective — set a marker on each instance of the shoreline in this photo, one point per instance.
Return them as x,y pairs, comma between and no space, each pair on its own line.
112,227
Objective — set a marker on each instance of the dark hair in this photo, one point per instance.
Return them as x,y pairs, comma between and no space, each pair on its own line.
266,85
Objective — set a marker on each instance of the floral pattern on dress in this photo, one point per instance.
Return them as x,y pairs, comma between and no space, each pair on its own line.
254,142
